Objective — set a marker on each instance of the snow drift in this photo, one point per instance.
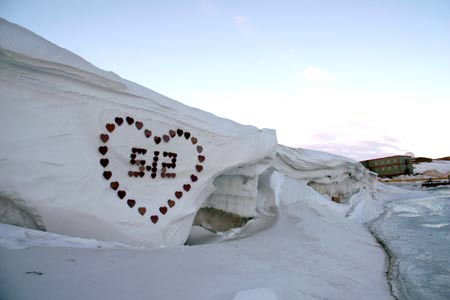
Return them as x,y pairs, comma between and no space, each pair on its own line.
86,153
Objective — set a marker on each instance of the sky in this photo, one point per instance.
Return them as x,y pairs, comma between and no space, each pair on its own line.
363,79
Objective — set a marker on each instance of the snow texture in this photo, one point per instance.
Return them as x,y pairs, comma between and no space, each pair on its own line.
89,157
441,166
58,106
309,251
257,294
68,162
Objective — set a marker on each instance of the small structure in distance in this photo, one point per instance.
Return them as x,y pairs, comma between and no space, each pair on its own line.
433,183
390,166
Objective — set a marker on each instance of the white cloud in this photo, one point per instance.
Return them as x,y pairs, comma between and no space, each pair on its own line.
317,76
348,122
243,24
240,20
355,140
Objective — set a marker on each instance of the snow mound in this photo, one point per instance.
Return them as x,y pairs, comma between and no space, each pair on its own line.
257,294
13,238
89,154
309,252
86,153
440,166
329,174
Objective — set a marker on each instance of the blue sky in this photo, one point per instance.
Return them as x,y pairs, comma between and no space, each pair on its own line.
357,78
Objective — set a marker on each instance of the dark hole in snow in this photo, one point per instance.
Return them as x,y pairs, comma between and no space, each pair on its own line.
217,220
210,224
14,211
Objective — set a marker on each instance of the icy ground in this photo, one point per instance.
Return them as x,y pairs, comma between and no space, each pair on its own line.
416,234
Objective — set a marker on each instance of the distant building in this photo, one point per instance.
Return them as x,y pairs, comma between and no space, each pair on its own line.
390,166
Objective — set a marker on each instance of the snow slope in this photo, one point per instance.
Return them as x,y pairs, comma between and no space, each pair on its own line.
73,143
86,153
56,108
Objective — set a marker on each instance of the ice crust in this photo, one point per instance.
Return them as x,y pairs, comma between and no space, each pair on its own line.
415,234
54,107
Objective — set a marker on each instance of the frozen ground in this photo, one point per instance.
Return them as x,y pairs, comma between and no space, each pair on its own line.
416,233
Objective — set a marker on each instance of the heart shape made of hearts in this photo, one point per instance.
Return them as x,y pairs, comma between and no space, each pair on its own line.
165,169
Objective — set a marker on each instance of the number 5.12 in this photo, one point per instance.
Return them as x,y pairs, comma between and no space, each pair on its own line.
142,165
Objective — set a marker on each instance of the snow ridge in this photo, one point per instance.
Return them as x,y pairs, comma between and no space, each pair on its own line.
75,128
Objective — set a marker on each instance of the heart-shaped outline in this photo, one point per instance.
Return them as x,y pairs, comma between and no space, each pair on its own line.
165,138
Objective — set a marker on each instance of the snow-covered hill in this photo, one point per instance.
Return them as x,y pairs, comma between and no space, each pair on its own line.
439,167
119,170
87,153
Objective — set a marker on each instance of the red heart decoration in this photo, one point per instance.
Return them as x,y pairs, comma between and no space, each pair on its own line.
107,175
110,127
104,162
163,210
104,137
114,185
103,149
131,202
154,219
121,194
130,120
142,210
119,120
142,169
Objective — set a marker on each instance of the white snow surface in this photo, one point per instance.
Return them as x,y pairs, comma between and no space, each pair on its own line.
56,106
51,120
310,251
92,243
14,237
441,166
257,294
